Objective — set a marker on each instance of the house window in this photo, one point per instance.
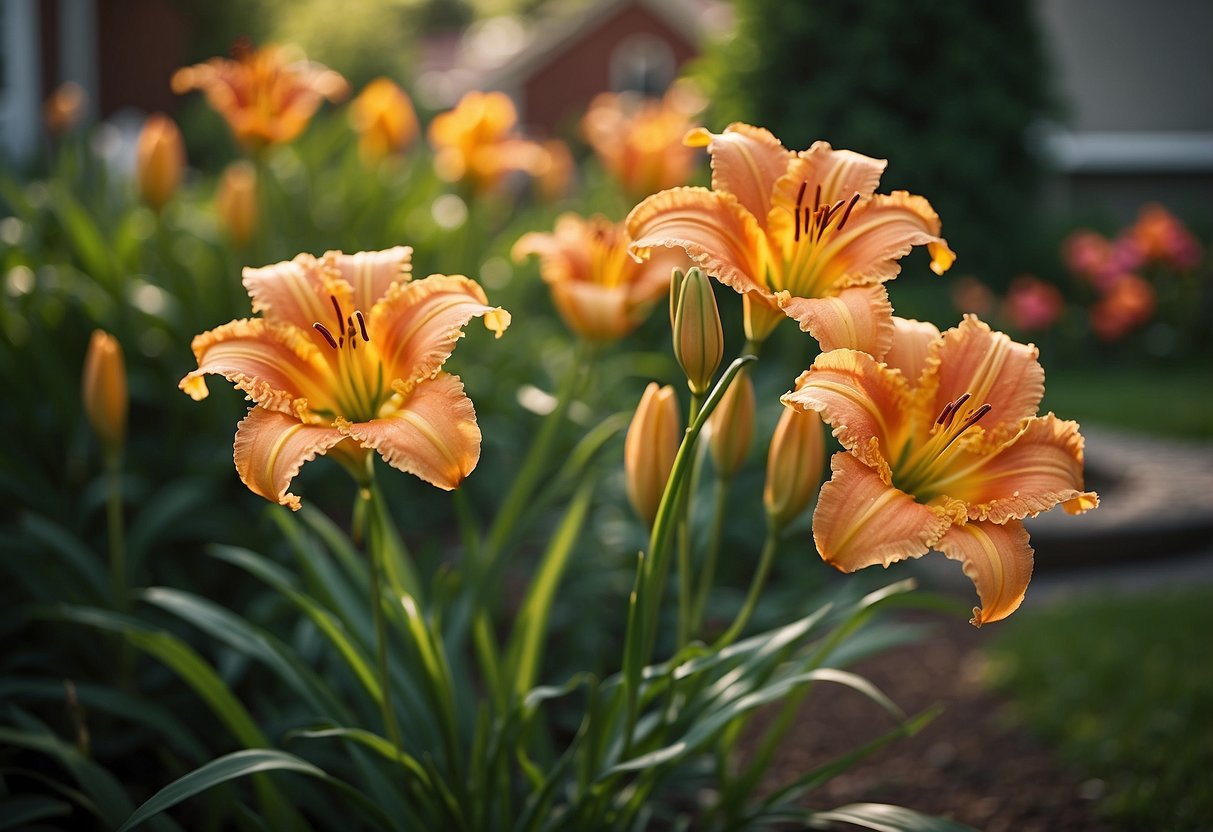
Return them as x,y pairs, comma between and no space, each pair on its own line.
642,63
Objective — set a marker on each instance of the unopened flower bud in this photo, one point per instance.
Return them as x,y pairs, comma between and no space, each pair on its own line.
698,336
159,160
649,450
731,426
104,389
760,317
794,466
236,201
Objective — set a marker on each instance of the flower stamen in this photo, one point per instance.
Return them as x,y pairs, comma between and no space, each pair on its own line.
328,336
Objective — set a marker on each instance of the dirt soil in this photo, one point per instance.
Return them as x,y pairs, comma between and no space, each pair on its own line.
973,764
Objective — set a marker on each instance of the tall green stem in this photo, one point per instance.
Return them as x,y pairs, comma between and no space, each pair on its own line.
769,549
117,537
369,496
685,508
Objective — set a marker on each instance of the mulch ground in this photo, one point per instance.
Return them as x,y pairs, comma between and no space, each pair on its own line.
972,764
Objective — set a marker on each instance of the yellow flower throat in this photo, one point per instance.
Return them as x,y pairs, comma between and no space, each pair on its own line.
359,392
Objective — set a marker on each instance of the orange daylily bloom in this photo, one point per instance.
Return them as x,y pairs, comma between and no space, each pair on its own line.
798,234
325,375
601,293
639,140
267,95
476,141
64,108
385,120
944,450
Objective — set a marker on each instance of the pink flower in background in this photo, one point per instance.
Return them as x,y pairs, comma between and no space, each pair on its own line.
1032,304
1086,253
971,296
1129,303
1162,238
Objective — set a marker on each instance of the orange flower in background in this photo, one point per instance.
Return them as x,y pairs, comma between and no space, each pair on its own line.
650,448
1129,303
476,141
384,119
267,95
639,140
798,234
64,108
600,292
1162,238
347,358
1032,304
944,450
103,389
236,201
159,160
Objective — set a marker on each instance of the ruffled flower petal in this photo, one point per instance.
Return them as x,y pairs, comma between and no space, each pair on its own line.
858,318
864,401
746,162
971,358
997,559
911,345
861,520
270,449
1037,469
840,173
717,233
879,232
371,273
415,328
299,292
433,435
276,366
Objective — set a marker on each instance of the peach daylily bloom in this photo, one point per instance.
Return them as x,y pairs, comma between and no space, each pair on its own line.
944,450
798,234
639,140
600,292
476,142
384,118
267,95
324,375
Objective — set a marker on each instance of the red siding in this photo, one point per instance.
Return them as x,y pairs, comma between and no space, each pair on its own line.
558,91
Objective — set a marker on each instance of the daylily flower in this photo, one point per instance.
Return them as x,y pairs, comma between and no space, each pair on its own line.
64,108
1033,304
267,95
601,293
384,118
798,234
476,141
1129,303
944,450
326,376
1162,238
639,140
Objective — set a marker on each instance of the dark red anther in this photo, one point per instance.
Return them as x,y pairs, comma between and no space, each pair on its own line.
337,309
328,336
362,325
847,213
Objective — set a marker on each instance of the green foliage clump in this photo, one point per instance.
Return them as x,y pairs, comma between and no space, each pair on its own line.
1124,685
947,91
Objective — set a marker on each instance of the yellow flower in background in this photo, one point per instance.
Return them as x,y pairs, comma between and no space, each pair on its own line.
601,293
944,450
267,95
798,234
236,201
476,142
639,140
159,160
384,119
103,389
650,448
347,358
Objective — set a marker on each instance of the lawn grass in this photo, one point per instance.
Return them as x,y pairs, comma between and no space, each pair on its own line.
1175,401
1123,688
